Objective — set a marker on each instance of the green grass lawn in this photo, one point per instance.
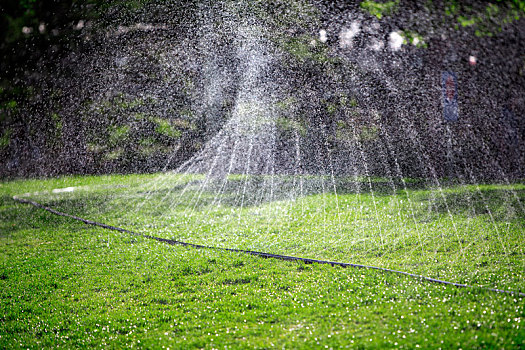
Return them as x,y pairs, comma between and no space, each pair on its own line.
65,283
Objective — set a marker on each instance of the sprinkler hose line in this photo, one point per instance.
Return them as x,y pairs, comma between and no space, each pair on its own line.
256,253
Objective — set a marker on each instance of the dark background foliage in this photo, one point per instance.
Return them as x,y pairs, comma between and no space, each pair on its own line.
124,86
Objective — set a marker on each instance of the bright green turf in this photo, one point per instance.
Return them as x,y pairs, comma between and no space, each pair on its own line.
65,283
471,234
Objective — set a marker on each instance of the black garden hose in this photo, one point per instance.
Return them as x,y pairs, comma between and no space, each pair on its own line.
256,253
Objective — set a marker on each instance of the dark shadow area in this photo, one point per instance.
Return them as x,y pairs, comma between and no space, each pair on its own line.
501,204
15,217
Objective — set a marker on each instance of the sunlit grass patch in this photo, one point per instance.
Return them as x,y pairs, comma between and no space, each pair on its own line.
63,282
441,232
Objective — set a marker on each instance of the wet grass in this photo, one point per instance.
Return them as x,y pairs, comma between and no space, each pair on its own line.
465,233
68,284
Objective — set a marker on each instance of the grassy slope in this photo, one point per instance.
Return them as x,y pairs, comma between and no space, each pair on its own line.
62,282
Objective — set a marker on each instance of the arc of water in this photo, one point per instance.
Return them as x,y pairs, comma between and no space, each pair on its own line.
367,174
